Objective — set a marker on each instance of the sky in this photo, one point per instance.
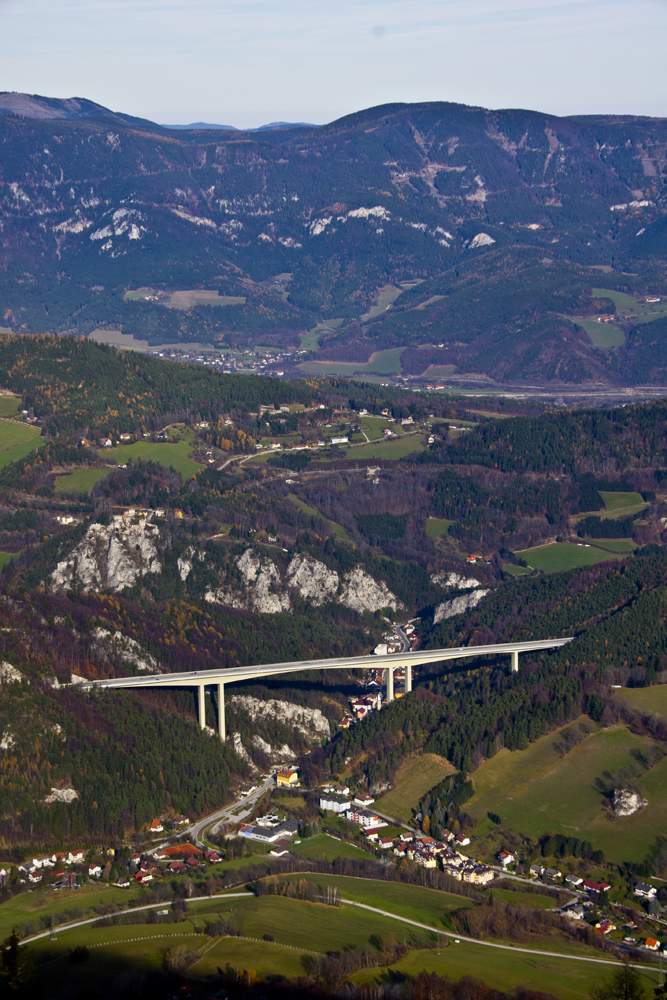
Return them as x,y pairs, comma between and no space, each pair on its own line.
248,62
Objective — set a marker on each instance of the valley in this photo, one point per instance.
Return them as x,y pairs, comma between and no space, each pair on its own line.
391,385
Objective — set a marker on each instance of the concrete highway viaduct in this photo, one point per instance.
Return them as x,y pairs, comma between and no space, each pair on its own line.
201,679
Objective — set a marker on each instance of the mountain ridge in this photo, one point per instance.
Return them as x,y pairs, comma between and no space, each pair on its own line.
312,223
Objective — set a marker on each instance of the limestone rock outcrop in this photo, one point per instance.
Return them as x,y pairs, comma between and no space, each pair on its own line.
310,721
110,557
263,589
458,605
444,579
312,579
626,802
362,593
127,649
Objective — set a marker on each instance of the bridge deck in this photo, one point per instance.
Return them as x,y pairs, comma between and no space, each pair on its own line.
223,675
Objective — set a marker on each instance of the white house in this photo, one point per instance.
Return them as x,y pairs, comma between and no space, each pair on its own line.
506,858
645,891
94,871
363,800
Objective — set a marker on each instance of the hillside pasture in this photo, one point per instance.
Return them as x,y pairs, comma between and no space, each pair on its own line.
605,335
416,902
559,556
17,440
436,527
621,504
174,456
386,362
388,449
641,310
9,404
338,530
502,970
80,480
652,700
536,791
415,777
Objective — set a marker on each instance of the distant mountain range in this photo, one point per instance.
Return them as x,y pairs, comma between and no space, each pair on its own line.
233,128
471,239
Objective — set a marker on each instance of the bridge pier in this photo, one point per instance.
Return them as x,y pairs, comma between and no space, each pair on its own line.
201,690
514,661
408,678
221,712
390,684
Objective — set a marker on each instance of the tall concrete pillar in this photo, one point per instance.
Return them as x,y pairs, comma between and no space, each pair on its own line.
408,678
390,684
202,705
514,661
221,712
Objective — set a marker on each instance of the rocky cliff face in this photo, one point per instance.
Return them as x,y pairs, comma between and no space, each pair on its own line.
310,721
263,589
126,649
458,605
110,557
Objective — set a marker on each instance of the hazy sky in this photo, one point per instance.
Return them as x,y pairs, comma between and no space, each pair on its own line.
248,62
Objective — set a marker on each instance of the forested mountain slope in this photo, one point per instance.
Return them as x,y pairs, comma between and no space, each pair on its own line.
507,215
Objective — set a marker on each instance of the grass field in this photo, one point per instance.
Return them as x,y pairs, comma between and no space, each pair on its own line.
560,556
642,311
439,371
380,363
604,335
535,791
388,449
385,297
437,526
324,846
80,481
295,924
30,907
6,557
17,440
648,699
9,405
615,544
203,297
416,902
528,899
561,977
621,504
338,530
414,778
175,456
513,570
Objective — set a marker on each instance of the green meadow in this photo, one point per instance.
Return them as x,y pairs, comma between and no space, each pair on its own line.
436,527
174,456
17,440
560,556
414,778
80,480
536,791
